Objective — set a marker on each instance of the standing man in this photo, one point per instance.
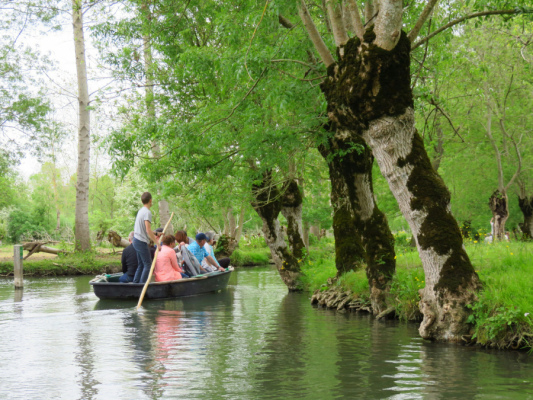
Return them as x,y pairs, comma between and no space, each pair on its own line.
142,234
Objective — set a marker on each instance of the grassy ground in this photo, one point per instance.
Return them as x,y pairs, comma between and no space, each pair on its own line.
503,314
42,264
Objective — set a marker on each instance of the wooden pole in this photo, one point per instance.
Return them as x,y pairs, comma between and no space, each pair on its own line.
17,266
153,266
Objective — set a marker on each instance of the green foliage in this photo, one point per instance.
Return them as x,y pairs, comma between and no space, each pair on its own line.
404,292
243,257
24,223
402,239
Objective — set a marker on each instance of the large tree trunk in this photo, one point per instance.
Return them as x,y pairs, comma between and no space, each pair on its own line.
526,205
291,209
267,203
499,205
351,160
81,224
349,253
368,93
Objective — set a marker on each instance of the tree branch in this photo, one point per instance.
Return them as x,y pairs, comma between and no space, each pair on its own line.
356,18
369,11
421,20
315,37
337,25
467,17
295,61
285,22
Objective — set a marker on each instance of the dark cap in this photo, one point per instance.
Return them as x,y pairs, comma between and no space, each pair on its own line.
158,230
201,236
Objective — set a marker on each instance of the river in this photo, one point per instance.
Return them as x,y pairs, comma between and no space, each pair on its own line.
251,341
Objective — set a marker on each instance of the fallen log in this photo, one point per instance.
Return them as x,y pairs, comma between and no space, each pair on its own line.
39,247
116,240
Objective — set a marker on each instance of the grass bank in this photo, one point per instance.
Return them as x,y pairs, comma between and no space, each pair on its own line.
90,263
503,314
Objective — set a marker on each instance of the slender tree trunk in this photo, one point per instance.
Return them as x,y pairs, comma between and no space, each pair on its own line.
368,93
267,203
526,206
305,233
164,210
351,161
81,224
499,205
238,234
232,228
439,146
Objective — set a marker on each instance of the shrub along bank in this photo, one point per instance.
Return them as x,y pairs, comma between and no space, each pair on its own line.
503,314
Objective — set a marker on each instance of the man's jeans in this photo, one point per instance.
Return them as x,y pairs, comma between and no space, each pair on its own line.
144,261
125,278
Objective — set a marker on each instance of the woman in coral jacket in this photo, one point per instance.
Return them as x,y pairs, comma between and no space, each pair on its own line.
166,265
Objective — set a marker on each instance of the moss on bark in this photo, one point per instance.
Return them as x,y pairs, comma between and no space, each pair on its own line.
368,82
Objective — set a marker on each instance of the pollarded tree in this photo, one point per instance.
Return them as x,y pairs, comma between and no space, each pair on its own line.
368,95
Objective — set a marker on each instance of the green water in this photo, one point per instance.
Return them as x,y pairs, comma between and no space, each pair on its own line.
251,341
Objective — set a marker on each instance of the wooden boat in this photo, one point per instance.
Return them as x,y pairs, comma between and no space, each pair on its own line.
108,287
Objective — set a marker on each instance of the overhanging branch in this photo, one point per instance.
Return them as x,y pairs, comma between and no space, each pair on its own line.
467,17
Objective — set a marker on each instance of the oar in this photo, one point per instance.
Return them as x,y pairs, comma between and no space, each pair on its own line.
153,265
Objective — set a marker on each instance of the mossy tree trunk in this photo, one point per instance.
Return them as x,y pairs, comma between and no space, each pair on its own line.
499,205
368,92
526,206
349,253
268,204
368,236
291,209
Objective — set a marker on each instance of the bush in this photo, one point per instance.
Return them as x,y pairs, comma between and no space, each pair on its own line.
21,223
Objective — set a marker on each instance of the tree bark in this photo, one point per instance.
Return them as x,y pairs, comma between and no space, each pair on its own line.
81,224
238,233
291,209
350,161
499,205
39,247
116,240
526,206
368,92
232,227
267,203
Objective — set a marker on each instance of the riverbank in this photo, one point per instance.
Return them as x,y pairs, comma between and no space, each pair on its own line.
91,263
503,315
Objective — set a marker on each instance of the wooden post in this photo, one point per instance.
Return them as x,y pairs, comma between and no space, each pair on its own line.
17,265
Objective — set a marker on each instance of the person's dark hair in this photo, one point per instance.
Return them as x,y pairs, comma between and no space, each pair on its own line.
146,197
169,240
181,236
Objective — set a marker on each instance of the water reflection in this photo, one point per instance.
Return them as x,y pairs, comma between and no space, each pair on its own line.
252,341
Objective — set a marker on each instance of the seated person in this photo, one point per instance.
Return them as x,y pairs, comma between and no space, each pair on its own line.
129,262
157,233
223,262
166,265
197,249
